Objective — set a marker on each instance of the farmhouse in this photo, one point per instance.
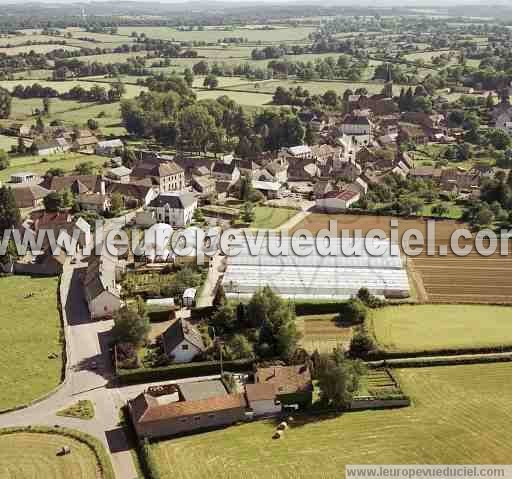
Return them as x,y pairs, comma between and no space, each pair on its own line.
120,173
168,176
158,414
176,209
29,195
333,201
182,342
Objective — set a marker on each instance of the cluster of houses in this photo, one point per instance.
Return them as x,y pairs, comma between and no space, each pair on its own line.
61,139
173,409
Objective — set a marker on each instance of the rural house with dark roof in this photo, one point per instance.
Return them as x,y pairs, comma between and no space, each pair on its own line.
182,342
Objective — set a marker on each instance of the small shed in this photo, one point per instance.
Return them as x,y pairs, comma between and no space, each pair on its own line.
189,297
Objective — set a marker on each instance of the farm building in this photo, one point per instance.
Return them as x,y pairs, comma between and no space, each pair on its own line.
315,276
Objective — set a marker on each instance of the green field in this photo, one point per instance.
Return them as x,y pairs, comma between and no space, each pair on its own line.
454,211
242,98
65,86
433,327
458,416
212,35
30,455
266,217
34,164
30,332
41,49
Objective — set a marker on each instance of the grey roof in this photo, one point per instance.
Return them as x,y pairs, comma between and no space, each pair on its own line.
178,331
202,390
180,200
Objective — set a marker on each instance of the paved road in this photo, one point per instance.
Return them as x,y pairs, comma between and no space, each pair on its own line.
88,373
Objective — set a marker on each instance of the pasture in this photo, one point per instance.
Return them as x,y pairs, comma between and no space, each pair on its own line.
41,49
430,327
27,455
242,98
266,217
457,417
36,164
321,333
213,35
31,331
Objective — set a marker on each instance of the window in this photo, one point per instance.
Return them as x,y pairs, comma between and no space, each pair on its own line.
184,347
183,419
211,416
197,418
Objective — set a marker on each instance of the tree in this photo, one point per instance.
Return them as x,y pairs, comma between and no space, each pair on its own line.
352,312
39,124
9,213
278,335
195,125
201,68
46,106
5,103
360,345
117,202
53,202
239,347
248,212
338,379
246,189
220,296
211,82
224,319
498,138
54,172
130,327
85,168
92,124
4,160
310,137
188,76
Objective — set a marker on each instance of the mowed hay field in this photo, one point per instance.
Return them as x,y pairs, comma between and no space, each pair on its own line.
30,332
322,333
442,279
460,415
432,327
30,455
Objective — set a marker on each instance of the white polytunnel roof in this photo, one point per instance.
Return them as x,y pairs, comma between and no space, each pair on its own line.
316,276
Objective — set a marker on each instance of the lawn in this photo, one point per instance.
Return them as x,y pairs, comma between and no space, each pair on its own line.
30,333
454,211
83,409
433,327
34,164
458,416
266,217
28,455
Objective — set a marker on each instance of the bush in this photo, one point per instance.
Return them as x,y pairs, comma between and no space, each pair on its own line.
360,345
353,311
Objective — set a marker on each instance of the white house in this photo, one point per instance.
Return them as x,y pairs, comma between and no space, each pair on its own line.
182,342
101,291
109,147
357,123
262,399
120,173
334,201
174,208
189,296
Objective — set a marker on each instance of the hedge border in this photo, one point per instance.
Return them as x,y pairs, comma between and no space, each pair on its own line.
94,444
181,371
